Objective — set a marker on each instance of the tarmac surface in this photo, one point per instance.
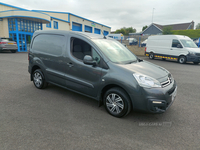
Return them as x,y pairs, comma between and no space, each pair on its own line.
57,119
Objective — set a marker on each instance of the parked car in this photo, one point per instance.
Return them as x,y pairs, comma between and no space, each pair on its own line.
174,47
7,44
100,68
132,41
143,44
116,36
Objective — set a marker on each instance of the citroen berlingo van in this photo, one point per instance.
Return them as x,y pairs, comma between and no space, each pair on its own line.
101,68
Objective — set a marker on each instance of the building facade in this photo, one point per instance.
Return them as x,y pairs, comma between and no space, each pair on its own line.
20,24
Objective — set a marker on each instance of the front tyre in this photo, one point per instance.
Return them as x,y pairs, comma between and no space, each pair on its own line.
38,79
151,56
117,102
182,59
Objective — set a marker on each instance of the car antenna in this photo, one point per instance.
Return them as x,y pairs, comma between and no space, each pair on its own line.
103,35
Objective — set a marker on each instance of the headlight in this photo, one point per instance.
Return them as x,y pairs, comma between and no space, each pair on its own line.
192,53
146,81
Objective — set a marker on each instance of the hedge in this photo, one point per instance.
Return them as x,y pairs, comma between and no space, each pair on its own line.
191,33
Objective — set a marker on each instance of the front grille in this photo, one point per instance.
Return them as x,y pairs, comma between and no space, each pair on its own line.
166,83
198,54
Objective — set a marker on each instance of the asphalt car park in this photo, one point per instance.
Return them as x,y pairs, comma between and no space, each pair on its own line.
55,118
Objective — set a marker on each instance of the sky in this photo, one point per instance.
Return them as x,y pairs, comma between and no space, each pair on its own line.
121,13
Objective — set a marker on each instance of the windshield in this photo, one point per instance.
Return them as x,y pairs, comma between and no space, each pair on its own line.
188,43
115,51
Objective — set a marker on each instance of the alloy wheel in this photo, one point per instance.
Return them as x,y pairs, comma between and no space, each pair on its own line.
114,103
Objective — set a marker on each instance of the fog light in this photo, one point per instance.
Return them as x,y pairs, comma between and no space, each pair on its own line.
156,102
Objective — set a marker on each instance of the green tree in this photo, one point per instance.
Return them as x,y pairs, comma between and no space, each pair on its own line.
167,30
143,28
126,31
198,26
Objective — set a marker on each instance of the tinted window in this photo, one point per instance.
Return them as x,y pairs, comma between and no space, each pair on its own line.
51,44
175,43
6,39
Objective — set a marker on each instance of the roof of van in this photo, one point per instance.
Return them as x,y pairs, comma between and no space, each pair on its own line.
63,32
166,37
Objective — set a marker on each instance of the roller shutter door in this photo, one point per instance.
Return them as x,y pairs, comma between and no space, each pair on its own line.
88,29
76,27
97,31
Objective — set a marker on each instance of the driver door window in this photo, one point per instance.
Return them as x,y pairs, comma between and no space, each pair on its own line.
81,48
175,43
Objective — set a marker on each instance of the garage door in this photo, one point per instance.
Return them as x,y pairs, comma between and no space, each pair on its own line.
97,31
105,33
88,29
76,27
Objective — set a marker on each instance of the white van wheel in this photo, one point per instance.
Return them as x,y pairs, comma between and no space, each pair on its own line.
182,59
151,56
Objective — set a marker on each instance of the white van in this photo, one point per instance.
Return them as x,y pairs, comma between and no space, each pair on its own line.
119,36
175,47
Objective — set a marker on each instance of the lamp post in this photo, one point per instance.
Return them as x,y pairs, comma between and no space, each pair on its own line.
152,14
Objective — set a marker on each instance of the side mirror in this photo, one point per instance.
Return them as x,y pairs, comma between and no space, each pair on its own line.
88,60
179,46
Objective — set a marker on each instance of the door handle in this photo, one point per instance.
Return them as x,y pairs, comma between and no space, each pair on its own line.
171,49
70,64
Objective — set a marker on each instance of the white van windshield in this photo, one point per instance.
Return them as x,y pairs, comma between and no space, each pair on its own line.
115,51
188,43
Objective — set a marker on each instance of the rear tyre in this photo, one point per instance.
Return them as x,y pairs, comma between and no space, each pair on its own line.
163,58
13,51
117,102
182,60
151,56
38,79
196,63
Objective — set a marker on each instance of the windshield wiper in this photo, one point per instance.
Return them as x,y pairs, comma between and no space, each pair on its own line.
130,62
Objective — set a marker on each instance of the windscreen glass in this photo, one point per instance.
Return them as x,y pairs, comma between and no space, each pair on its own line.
188,43
115,51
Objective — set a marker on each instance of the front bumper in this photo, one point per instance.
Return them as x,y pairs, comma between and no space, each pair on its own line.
193,58
160,106
154,100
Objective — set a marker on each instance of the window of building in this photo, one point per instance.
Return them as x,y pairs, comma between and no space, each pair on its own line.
48,25
55,25
23,25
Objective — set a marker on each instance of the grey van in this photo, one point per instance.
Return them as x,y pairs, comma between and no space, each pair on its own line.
101,68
